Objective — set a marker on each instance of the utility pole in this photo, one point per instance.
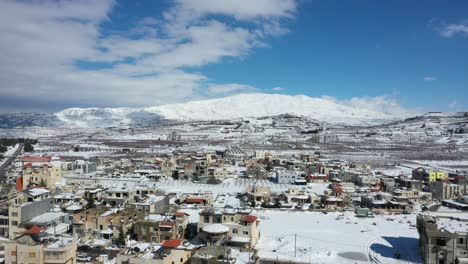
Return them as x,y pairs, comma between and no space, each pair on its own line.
295,244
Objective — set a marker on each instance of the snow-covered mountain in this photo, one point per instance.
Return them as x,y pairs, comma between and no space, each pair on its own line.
257,105
233,107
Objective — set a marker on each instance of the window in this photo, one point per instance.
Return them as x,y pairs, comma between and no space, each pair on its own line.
14,214
441,242
461,241
245,232
235,231
207,219
32,254
15,223
13,253
181,260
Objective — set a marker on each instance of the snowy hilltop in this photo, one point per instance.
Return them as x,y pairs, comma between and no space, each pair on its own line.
227,108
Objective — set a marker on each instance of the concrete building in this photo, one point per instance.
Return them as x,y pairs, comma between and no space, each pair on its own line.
32,249
170,252
84,166
443,240
150,204
26,205
287,177
237,228
443,191
44,175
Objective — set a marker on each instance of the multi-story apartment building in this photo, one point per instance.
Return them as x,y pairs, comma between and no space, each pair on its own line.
443,191
44,175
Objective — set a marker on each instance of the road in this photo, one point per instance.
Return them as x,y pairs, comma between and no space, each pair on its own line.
9,160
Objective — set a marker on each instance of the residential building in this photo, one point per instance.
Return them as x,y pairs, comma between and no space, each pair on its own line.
229,227
30,248
443,240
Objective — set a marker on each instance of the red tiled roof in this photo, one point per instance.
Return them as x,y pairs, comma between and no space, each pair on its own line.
172,243
35,229
27,165
250,218
168,224
36,159
180,214
338,190
194,200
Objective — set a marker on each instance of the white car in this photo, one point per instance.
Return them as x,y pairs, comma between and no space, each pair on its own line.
82,258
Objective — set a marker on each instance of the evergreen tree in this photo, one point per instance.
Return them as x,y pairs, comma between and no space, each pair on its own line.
121,239
90,201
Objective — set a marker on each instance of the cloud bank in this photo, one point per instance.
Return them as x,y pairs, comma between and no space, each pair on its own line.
56,51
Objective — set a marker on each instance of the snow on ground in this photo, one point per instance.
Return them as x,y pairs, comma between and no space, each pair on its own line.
441,163
10,151
331,238
224,200
395,171
233,186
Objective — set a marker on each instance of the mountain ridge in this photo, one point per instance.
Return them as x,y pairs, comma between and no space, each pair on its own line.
226,108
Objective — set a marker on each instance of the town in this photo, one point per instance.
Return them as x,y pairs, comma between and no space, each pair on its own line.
220,204
233,131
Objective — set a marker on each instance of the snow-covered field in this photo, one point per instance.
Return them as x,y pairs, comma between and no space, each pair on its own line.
10,151
331,238
233,186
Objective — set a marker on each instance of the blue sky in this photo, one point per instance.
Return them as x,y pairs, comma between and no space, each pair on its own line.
59,54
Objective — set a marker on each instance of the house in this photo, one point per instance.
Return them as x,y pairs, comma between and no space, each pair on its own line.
287,177
202,199
428,175
296,196
104,223
26,205
317,177
155,229
230,227
150,204
168,252
223,254
443,240
43,175
31,248
383,201
259,194
84,166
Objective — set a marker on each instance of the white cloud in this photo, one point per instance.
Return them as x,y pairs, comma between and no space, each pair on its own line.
429,78
385,104
451,30
277,89
42,41
231,88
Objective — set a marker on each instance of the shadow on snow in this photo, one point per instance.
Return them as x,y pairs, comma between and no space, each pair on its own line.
404,248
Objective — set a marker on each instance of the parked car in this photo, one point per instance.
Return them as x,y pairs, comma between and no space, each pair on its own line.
84,248
83,258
